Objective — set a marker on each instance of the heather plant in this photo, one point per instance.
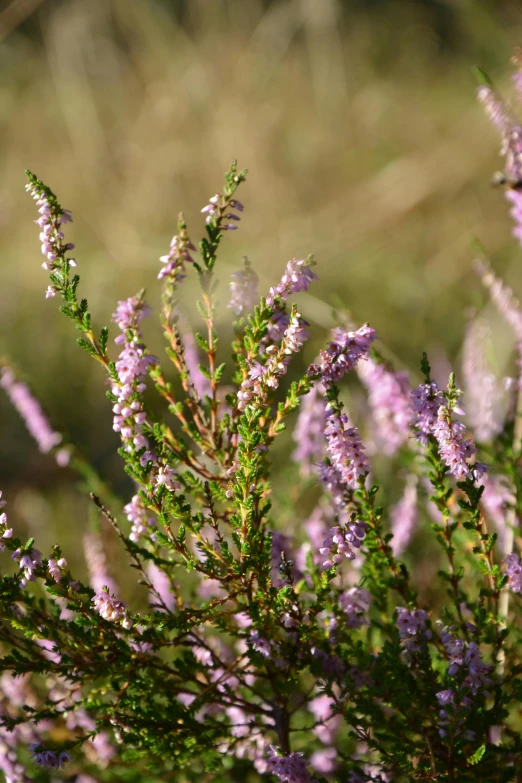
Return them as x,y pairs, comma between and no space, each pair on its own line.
316,653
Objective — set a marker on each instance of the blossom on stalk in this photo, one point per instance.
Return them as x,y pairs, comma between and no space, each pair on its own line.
514,572
328,722
511,136
343,353
216,212
5,532
143,522
30,411
412,628
29,561
345,448
55,568
484,393
289,769
244,293
52,217
131,367
497,500
110,608
309,430
506,303
261,377
427,399
341,541
390,403
51,759
297,277
355,603
162,586
404,515
97,563
200,382
179,254
454,449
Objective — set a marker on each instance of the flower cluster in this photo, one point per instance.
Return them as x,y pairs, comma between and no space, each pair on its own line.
511,135
262,377
297,277
51,759
345,449
341,542
131,368
404,516
29,562
216,211
52,217
427,400
179,254
412,628
243,290
309,430
142,521
111,609
355,603
5,532
30,410
343,353
289,769
389,398
514,572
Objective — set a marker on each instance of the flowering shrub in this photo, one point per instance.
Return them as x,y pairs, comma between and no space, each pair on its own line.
311,657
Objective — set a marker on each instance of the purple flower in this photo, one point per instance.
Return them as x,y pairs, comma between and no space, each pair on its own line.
453,448
243,290
484,393
297,277
162,585
261,378
390,402
200,382
110,608
131,367
143,523
446,697
97,563
52,217
506,303
29,562
345,449
309,430
355,603
343,353
466,657
178,255
5,532
511,136
340,542
216,212
48,758
404,517
55,568
30,410
427,399
260,644
514,572
412,627
497,500
289,769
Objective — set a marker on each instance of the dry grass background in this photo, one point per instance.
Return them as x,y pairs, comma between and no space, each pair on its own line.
365,146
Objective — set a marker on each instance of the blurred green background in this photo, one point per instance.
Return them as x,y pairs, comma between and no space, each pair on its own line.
357,120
